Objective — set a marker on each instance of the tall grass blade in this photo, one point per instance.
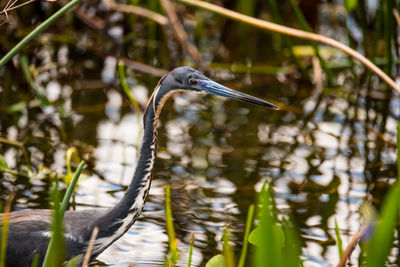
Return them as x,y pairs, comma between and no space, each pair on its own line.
249,222
339,239
35,260
267,252
4,230
292,252
191,249
55,254
398,151
382,240
173,255
36,32
55,251
71,187
229,256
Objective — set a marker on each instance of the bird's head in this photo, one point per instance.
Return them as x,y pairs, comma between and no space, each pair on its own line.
186,78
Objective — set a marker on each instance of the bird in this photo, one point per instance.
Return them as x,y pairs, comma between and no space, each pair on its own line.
30,230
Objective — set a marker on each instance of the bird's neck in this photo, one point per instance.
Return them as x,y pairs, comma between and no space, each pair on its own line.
120,218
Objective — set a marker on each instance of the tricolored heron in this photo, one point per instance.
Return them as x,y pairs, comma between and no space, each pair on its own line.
29,230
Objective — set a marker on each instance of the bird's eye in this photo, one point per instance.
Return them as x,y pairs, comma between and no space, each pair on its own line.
193,82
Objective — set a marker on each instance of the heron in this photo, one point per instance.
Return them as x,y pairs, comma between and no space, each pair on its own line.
30,230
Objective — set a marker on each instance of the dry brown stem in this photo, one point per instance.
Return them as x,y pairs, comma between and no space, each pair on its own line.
9,7
144,67
296,33
350,247
181,34
9,201
137,10
136,65
90,247
317,70
396,16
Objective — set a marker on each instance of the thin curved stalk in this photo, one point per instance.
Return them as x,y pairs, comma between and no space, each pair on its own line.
70,189
36,32
296,33
86,259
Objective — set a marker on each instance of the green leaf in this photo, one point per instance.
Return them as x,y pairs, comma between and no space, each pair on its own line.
269,252
382,240
292,252
3,164
216,261
255,236
350,5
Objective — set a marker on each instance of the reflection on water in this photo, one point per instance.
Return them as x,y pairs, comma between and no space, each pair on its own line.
216,155
325,152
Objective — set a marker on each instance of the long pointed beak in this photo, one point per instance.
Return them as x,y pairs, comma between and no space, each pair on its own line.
214,88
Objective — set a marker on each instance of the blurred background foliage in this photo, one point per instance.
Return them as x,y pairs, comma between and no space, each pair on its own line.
331,148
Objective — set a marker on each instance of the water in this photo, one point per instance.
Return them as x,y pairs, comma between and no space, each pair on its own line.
325,152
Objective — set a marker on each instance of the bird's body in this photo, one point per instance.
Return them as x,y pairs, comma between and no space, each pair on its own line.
30,230
29,234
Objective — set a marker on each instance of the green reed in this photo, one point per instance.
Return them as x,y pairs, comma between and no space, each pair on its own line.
249,223
36,32
173,254
339,239
4,230
381,243
191,249
56,250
